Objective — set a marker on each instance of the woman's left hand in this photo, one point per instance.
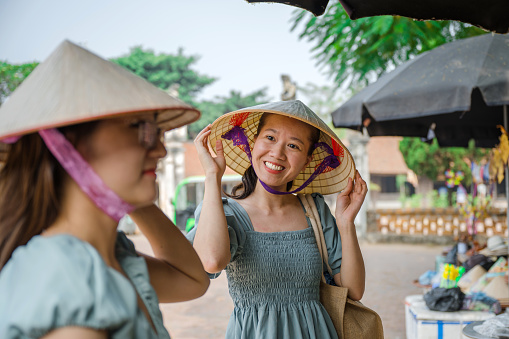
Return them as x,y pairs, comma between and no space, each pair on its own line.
349,201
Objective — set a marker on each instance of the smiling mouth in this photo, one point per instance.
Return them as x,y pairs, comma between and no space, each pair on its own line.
273,166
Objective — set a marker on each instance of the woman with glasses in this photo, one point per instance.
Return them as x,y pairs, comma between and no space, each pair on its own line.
88,159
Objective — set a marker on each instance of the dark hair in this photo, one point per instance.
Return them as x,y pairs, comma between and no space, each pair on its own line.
249,178
31,189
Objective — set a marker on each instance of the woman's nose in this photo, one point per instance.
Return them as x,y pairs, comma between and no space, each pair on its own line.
278,151
159,151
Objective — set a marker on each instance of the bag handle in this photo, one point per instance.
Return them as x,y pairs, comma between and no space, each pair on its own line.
314,217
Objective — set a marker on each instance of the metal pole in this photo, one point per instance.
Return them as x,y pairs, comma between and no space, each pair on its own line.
506,172
506,182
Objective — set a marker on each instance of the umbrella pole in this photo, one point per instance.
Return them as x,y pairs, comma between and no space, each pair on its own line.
506,173
506,182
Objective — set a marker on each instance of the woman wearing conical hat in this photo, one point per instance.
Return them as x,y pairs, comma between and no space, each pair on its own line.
85,139
261,235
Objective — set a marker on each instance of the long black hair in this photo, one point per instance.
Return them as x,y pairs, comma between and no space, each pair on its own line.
249,178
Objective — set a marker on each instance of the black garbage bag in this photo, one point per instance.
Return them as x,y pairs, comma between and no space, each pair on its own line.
452,256
444,299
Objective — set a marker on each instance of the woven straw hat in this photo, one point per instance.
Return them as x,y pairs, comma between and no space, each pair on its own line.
331,181
74,85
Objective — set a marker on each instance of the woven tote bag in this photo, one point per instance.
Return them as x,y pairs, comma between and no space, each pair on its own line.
351,319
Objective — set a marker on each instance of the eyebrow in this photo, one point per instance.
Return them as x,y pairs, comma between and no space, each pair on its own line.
292,138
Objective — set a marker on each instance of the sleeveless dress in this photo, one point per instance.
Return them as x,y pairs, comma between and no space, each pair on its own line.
60,281
274,278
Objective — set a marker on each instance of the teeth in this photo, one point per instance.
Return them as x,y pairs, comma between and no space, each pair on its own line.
273,167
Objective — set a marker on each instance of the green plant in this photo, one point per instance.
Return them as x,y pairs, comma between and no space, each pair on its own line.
438,200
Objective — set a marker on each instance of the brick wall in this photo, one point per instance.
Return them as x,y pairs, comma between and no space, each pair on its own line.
436,222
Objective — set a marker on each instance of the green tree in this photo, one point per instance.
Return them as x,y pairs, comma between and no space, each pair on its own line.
432,161
359,51
213,109
11,76
164,70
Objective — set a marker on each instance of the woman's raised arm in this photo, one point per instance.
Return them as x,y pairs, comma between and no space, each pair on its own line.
348,204
176,272
211,241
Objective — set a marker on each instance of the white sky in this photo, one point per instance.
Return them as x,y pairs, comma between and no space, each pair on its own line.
246,46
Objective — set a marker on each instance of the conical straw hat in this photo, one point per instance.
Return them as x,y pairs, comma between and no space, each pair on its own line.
74,85
497,288
471,277
331,181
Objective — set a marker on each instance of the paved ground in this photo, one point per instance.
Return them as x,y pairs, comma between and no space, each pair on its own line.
390,269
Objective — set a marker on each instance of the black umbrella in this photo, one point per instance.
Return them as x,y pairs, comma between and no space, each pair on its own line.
317,7
487,14
458,91
490,14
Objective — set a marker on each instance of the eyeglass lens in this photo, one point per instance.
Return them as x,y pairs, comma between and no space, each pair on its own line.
148,134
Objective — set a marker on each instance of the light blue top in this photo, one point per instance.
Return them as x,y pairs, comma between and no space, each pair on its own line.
59,281
274,278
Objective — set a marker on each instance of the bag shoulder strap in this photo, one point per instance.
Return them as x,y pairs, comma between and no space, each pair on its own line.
314,217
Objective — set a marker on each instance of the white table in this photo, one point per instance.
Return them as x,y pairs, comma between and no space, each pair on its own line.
422,323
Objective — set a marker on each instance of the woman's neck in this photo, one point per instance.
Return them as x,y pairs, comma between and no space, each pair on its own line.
268,201
81,218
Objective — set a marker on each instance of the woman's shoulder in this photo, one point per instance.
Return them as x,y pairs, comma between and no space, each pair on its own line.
230,206
61,281
58,252
319,201
62,261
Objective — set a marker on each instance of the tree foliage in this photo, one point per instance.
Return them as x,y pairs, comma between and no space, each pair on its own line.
212,109
432,161
164,70
359,51
11,76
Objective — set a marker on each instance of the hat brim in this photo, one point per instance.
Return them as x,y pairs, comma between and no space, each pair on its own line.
74,85
331,181
495,252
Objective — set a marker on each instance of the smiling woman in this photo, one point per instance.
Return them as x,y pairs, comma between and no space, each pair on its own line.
85,139
262,236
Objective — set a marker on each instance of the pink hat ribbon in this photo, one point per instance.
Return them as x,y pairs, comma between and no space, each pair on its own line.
83,174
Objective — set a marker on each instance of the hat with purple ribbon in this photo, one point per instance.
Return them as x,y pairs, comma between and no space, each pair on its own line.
328,171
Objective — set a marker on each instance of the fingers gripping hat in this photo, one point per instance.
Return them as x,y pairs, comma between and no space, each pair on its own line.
331,165
73,86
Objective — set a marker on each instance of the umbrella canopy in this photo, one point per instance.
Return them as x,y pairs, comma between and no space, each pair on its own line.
457,90
317,7
488,14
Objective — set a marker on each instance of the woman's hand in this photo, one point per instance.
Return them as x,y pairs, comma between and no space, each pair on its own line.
349,201
212,165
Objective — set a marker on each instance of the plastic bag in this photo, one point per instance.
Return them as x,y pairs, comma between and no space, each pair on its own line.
444,299
496,326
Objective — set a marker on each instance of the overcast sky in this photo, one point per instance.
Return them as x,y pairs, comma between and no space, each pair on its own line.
246,46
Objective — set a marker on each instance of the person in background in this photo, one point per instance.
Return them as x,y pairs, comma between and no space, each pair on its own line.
261,235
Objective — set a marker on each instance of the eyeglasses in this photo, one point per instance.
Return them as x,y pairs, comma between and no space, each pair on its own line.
148,133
